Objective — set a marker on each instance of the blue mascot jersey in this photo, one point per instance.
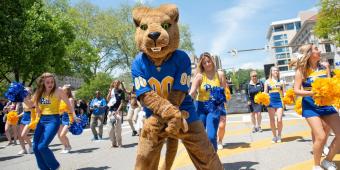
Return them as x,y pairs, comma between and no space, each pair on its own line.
173,74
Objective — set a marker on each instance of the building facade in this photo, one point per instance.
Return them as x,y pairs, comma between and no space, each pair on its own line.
279,36
329,51
74,82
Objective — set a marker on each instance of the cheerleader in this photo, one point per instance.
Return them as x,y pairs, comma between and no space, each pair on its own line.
309,68
47,101
11,106
28,105
275,88
65,120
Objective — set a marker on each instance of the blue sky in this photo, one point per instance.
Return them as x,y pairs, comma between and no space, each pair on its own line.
218,26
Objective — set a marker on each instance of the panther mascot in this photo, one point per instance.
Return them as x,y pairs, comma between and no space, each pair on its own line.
161,75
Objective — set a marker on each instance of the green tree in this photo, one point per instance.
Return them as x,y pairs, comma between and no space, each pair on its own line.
185,38
101,82
328,21
32,41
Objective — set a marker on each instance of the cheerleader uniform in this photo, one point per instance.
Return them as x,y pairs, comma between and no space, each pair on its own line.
309,109
65,113
275,93
26,117
210,120
45,131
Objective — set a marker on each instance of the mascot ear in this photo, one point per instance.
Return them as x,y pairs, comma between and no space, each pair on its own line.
171,10
138,13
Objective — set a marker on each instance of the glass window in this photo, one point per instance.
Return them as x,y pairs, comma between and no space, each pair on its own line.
280,37
290,26
281,43
282,62
281,49
328,48
284,68
278,28
298,25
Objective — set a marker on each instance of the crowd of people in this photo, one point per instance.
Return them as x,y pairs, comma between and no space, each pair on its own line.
56,109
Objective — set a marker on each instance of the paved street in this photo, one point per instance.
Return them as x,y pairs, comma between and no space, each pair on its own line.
242,149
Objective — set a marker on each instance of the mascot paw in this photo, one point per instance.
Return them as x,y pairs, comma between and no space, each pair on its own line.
153,127
178,123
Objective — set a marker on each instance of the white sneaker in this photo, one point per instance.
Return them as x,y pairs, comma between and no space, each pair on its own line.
22,152
219,146
317,168
274,140
64,151
325,151
30,150
68,148
278,139
328,165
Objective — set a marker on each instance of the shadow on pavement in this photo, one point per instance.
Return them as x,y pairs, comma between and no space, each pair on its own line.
95,168
55,149
130,145
246,165
57,144
265,130
236,145
87,150
304,140
292,138
9,158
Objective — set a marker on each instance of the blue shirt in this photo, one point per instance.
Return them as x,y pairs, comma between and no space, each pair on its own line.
98,102
173,74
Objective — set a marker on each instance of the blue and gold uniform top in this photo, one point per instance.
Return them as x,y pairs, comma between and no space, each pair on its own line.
206,85
313,75
274,86
49,105
173,74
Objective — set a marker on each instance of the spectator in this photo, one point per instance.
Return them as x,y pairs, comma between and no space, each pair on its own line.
115,112
97,106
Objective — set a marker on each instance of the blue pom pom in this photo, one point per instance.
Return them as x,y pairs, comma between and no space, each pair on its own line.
84,120
16,92
216,101
76,128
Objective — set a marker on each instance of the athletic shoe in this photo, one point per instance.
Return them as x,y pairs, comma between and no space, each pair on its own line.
64,151
259,129
278,139
22,152
254,130
328,165
134,133
274,140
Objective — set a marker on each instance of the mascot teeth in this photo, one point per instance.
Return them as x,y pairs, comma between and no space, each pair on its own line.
156,49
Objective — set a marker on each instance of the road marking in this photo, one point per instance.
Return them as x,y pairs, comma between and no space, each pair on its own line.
183,158
309,164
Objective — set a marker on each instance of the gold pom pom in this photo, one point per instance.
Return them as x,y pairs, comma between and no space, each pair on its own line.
227,93
289,97
298,106
262,98
12,117
33,124
324,92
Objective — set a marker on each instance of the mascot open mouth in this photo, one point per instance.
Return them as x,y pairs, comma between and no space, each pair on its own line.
156,49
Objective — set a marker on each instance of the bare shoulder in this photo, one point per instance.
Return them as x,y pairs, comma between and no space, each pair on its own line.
220,73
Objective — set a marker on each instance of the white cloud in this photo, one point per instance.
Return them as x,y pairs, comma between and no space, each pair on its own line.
230,22
144,1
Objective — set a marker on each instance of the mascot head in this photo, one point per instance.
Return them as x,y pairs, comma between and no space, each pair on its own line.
157,32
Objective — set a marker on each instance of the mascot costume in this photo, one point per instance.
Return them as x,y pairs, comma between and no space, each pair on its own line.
161,76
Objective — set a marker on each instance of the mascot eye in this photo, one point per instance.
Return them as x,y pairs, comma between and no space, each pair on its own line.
144,27
166,26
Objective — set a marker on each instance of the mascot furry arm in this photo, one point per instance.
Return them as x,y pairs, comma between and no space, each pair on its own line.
166,114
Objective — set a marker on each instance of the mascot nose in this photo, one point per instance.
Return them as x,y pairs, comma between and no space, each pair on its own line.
154,35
